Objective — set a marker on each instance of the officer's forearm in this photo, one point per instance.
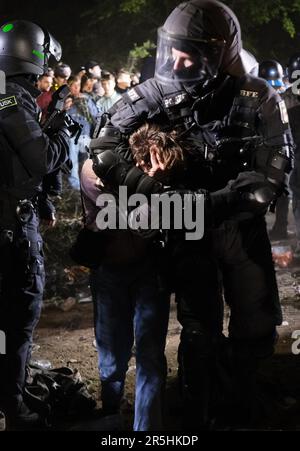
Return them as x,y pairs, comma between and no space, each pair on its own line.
113,170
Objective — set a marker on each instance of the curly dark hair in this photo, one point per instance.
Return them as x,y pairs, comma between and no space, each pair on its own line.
167,145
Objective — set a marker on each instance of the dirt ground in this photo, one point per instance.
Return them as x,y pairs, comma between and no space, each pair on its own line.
65,338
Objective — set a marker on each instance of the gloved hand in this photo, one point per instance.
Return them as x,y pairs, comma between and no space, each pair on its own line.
102,151
250,193
46,210
254,187
110,167
105,162
109,138
63,121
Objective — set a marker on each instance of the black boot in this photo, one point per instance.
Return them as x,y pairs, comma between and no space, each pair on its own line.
18,416
248,408
196,379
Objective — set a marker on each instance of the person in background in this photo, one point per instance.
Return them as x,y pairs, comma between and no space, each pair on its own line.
87,84
92,88
50,72
110,96
292,100
98,91
84,111
93,69
272,72
123,81
62,73
80,71
44,85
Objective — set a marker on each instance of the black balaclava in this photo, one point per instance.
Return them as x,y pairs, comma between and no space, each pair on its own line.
201,27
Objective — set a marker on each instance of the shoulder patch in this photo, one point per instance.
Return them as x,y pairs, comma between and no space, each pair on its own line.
283,112
133,95
8,102
253,94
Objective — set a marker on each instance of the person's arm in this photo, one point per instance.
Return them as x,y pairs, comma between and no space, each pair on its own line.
90,191
38,153
274,157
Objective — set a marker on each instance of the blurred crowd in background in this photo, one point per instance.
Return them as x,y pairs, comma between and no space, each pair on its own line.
93,91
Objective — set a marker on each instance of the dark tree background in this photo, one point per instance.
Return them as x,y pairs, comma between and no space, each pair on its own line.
106,30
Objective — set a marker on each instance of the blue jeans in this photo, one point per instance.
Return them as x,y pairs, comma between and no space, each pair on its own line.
76,153
130,304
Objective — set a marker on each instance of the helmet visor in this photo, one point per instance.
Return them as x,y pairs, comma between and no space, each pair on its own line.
54,48
187,60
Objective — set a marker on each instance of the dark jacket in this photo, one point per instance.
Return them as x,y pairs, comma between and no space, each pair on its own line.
27,153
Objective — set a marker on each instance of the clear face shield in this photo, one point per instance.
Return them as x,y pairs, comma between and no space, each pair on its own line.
187,60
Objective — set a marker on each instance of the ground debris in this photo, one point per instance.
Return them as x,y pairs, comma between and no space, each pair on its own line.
67,304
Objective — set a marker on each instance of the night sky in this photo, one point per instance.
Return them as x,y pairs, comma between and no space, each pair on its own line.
83,38
64,20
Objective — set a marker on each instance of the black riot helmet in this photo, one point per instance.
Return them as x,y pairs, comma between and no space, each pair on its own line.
25,48
210,33
272,71
293,66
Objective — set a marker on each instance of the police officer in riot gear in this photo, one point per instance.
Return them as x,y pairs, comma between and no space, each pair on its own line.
293,67
27,155
202,87
292,100
272,71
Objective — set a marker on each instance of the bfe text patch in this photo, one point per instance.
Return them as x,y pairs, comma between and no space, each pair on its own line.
252,94
8,102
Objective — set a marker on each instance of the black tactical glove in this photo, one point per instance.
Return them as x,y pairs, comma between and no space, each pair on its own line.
107,164
109,167
113,170
254,187
64,122
109,138
250,194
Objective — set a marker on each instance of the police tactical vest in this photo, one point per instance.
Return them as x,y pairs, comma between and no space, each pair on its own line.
17,178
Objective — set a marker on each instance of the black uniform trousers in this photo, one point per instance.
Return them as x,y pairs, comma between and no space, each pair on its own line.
21,292
235,260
